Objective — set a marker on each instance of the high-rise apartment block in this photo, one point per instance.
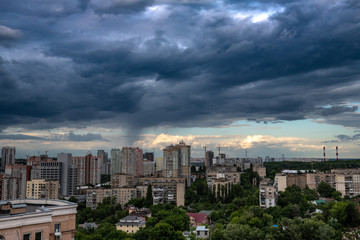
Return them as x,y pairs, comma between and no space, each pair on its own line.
7,157
176,161
115,161
40,189
132,161
88,169
149,168
209,158
13,183
69,175
103,161
159,165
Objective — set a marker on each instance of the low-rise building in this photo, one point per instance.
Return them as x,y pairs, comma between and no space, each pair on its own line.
144,213
197,219
39,219
130,224
202,232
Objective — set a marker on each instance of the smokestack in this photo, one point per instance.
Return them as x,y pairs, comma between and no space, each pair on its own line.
324,154
337,153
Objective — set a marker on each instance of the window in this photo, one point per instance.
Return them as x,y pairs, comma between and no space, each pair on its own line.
2,237
57,227
205,233
26,236
38,235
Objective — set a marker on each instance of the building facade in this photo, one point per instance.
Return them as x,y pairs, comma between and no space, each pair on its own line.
268,193
119,180
132,161
130,224
115,161
41,219
165,190
13,183
69,175
121,195
7,157
42,189
176,161
88,169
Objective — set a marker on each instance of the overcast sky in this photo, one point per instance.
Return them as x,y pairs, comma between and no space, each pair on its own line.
274,77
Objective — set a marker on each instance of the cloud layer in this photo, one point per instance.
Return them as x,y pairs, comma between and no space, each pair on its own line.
140,64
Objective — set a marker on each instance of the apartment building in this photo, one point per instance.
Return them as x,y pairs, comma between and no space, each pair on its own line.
88,169
119,180
176,162
42,189
166,190
268,193
149,168
213,177
7,157
13,183
38,219
346,181
121,195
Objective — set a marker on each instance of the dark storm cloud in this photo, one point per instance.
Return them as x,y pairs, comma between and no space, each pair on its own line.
348,138
19,137
119,6
338,109
8,35
83,137
180,63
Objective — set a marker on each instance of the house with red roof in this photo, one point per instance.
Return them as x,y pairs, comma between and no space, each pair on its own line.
197,219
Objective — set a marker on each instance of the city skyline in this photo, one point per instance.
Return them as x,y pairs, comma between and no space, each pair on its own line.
272,77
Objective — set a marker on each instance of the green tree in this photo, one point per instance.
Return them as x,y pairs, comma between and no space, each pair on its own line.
149,197
325,190
164,231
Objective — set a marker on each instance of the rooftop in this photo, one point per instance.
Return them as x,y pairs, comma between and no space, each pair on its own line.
34,206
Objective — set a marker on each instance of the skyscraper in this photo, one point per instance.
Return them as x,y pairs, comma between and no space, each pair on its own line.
176,161
69,174
7,156
88,169
103,161
132,161
115,161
